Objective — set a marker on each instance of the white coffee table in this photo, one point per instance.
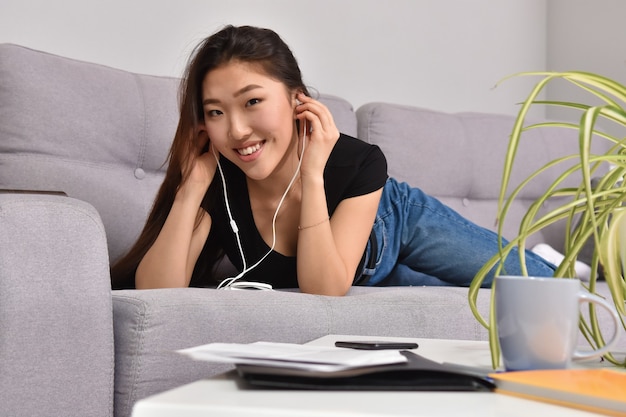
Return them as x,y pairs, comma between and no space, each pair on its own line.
226,395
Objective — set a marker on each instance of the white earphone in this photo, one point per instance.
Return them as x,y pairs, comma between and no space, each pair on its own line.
234,282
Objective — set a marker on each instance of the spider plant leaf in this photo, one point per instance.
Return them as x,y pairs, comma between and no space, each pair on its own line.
614,258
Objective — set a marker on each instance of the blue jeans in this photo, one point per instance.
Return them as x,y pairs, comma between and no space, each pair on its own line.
421,241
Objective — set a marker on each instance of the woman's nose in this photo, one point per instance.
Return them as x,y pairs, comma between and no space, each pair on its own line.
239,128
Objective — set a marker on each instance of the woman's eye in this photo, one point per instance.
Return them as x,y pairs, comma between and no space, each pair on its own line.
253,101
213,113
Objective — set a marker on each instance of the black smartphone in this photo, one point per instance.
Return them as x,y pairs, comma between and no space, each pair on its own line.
375,345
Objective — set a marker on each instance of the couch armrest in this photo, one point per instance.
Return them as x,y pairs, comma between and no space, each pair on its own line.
56,330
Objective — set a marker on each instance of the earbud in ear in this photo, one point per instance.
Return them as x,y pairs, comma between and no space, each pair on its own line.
295,98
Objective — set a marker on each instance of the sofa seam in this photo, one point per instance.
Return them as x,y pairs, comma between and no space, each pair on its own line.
470,190
112,367
369,112
135,350
330,313
143,143
103,165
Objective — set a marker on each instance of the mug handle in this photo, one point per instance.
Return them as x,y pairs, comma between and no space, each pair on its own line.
592,298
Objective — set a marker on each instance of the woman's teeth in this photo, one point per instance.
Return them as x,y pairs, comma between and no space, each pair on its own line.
249,150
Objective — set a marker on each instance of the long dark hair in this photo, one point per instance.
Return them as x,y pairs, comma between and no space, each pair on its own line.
245,44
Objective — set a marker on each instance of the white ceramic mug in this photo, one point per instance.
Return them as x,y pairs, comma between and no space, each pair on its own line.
537,320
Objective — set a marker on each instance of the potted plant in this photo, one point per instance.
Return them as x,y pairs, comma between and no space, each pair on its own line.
594,211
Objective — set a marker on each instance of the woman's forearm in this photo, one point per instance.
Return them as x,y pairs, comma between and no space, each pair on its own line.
171,259
321,270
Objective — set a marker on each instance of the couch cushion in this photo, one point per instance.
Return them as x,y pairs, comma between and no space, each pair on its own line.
97,133
459,158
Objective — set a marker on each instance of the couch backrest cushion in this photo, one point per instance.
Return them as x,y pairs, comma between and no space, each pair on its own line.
459,158
97,133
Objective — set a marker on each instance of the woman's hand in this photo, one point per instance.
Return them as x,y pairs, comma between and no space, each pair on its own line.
202,163
321,135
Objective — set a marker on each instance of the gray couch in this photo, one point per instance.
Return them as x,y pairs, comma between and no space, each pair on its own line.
69,346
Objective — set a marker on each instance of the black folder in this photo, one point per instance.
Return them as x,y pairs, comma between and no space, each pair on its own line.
417,374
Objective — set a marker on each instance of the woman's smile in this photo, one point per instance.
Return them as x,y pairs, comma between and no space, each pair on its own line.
251,151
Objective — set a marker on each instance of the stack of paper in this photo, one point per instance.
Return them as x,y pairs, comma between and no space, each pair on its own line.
293,356
291,366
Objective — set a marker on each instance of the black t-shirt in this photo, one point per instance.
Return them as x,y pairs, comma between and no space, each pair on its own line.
354,168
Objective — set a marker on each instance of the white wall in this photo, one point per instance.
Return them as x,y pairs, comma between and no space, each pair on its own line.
443,54
586,36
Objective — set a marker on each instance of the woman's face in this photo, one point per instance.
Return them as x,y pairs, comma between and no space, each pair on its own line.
249,118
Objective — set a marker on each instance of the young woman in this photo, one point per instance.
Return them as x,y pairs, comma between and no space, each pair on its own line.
258,171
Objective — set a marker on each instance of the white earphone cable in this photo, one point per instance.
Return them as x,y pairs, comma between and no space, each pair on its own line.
233,224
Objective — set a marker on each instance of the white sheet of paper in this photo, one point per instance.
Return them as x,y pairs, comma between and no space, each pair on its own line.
288,355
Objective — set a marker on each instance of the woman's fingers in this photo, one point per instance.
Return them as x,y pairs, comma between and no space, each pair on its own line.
320,121
201,163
